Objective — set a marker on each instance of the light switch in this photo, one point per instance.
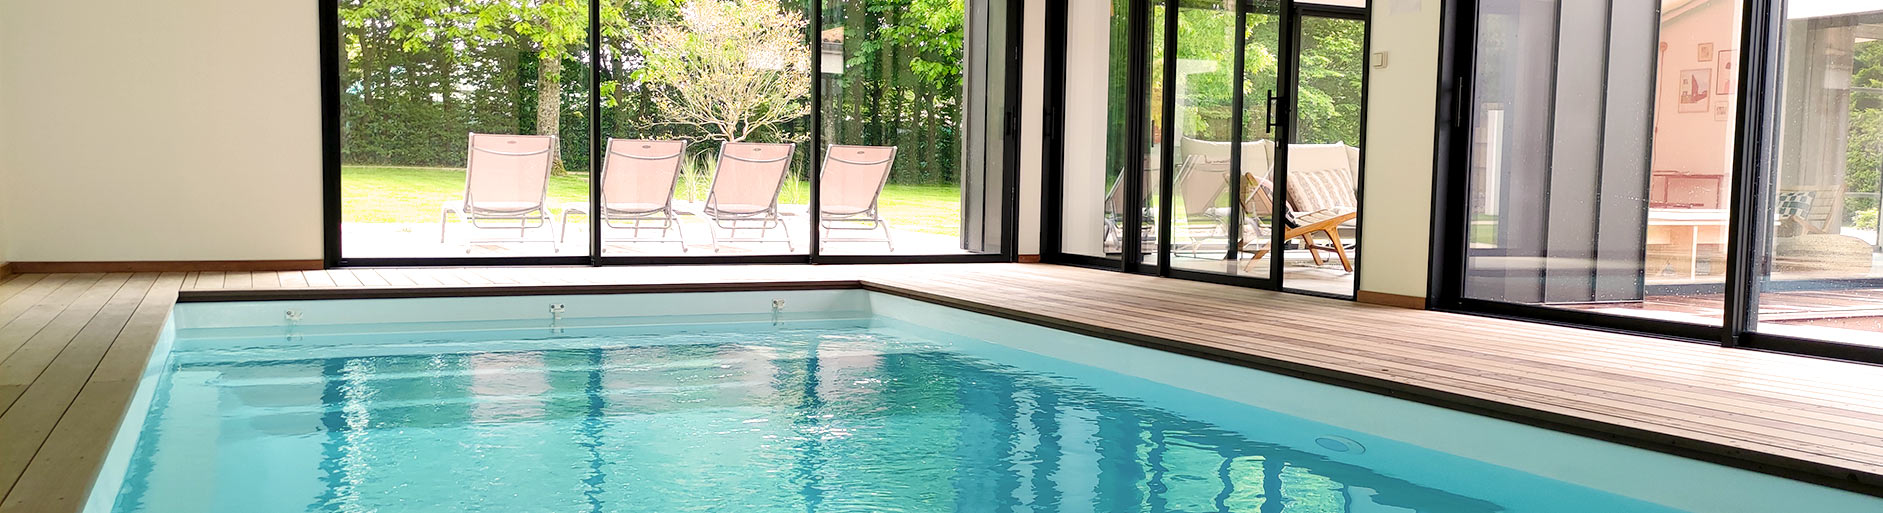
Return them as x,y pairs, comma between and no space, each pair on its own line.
1379,60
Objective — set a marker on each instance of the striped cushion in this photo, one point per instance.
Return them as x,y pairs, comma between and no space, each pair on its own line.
1321,189
1322,215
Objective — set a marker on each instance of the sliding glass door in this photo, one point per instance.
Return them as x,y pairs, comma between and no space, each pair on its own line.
1324,148
1820,266
580,131
1224,137
1698,168
1601,172
1179,120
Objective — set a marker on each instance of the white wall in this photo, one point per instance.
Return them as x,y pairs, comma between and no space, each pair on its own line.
1395,234
1032,96
4,162
174,130
1088,72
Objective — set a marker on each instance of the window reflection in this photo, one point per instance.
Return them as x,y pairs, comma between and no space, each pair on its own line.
1822,272
1600,172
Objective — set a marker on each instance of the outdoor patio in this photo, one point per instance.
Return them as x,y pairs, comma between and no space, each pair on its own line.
422,240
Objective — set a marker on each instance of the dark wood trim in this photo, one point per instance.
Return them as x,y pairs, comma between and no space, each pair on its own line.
6,269
1024,259
168,266
1393,300
304,294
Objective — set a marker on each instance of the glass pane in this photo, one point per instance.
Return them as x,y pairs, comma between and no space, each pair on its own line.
417,78
686,171
893,79
1823,275
1324,157
1151,172
1204,87
1600,171
1092,195
1255,191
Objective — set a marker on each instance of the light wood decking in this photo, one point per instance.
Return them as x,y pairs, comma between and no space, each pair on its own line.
72,346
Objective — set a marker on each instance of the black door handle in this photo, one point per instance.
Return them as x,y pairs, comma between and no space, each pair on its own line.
1269,123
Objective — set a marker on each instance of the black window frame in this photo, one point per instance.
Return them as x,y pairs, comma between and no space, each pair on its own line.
1011,56
1131,259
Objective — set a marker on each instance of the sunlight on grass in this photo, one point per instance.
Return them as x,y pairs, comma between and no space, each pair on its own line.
382,194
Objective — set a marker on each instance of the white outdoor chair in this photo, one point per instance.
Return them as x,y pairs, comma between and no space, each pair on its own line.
744,193
506,187
851,189
637,184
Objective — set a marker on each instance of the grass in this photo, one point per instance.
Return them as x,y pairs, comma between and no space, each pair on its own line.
386,194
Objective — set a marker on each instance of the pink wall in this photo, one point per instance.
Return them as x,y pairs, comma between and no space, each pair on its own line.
1695,144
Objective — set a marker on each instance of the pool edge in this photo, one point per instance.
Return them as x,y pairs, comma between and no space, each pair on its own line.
1799,469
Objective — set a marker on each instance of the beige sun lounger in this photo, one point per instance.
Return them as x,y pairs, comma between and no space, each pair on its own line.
1321,199
744,193
506,186
850,191
637,184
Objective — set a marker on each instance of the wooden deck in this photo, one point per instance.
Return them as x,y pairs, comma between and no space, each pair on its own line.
72,346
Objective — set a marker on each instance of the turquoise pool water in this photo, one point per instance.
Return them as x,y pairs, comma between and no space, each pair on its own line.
833,411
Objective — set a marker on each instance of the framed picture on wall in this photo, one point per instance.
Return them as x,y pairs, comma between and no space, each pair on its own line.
1727,74
1695,87
1706,52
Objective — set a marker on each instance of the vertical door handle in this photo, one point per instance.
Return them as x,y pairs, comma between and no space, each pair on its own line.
1269,123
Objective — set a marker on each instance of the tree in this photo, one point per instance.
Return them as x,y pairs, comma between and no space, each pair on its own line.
731,68
552,29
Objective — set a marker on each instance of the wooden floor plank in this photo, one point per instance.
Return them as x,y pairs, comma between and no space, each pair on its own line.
9,393
208,280
1510,339
394,278
236,280
17,283
264,280
22,366
370,278
48,395
319,279
292,279
124,359
62,471
344,278
469,276
29,297
22,328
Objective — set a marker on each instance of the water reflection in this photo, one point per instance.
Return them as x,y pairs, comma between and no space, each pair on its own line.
792,420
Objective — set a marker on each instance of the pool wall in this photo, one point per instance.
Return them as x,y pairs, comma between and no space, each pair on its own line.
117,460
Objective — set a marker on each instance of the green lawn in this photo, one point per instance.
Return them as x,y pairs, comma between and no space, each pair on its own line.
382,194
